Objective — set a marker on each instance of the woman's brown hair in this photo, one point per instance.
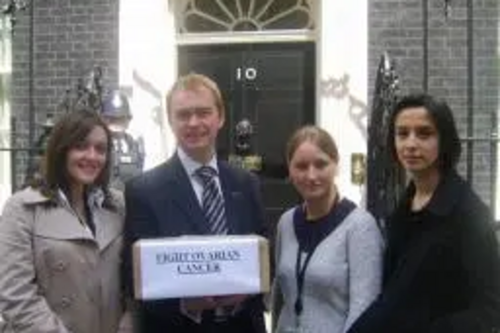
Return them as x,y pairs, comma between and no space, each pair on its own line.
316,135
71,130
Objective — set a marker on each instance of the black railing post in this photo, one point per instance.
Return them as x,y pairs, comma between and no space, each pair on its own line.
425,45
13,154
470,90
493,162
31,75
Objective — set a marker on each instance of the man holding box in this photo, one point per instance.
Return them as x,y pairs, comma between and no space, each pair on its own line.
194,194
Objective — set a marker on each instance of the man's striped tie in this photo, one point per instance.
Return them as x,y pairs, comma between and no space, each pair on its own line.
213,204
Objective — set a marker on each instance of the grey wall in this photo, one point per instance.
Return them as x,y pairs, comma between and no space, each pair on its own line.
397,26
70,37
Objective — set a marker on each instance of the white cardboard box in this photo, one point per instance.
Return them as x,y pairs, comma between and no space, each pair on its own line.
192,266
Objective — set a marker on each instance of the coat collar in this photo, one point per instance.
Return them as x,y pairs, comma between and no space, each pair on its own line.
61,223
95,197
445,197
33,197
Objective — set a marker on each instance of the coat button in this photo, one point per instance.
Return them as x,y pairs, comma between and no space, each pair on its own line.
60,266
65,302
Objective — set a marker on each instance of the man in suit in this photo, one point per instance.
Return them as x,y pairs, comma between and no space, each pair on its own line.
168,201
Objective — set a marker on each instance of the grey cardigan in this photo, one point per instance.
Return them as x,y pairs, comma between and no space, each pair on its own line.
342,279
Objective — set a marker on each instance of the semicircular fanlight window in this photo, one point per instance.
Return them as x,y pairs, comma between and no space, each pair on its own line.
198,16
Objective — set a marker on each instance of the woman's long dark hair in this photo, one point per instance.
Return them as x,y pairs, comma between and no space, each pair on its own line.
450,147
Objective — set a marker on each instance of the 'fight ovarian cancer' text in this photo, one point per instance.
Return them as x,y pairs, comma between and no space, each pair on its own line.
188,263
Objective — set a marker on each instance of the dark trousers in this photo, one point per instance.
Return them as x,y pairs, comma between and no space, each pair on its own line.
244,322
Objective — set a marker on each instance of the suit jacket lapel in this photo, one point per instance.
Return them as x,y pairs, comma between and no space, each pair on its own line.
185,198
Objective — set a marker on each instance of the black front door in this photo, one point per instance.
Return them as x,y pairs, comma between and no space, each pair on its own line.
272,86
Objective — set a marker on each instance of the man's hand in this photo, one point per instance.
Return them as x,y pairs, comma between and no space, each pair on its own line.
198,304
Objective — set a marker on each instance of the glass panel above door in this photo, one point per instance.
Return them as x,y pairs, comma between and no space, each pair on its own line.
208,16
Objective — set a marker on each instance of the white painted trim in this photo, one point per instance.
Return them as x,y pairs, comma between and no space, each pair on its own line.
318,117
243,37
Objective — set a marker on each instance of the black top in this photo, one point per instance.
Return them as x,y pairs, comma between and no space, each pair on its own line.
310,233
441,267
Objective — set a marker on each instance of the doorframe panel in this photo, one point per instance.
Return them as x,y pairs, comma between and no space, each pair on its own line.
245,37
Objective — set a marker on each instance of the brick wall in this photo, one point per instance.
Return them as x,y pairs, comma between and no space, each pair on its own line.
70,37
397,26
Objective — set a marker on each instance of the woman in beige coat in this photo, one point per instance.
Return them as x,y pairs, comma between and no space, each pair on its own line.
61,238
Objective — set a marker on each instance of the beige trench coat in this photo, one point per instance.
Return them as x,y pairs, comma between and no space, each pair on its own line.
55,276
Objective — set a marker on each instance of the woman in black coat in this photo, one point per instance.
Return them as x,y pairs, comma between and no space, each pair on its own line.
441,269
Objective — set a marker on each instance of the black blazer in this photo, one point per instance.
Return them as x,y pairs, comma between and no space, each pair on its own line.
162,203
441,270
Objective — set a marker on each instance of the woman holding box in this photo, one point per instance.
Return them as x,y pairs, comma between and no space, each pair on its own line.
328,251
60,239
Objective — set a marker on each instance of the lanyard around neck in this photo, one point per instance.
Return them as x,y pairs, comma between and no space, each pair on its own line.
340,210
300,273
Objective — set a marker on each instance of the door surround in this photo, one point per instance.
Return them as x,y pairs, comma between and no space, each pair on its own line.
255,37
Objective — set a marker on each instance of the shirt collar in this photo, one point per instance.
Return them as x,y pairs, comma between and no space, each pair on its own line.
190,165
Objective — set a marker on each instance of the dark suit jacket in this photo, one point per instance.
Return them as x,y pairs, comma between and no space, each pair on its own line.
162,203
442,272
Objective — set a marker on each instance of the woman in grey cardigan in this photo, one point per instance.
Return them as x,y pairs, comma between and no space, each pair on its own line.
328,251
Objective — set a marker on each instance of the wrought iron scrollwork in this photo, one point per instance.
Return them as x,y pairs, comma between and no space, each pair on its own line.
12,8
88,93
385,179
